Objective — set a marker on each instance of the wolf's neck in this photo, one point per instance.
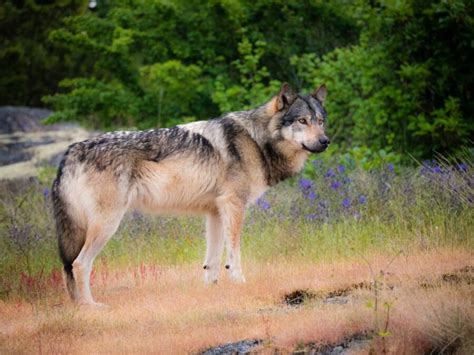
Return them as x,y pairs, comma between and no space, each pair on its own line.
281,163
256,124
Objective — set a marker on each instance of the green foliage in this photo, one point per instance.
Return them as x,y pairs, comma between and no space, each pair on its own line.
172,90
106,104
399,73
168,62
405,86
30,66
251,89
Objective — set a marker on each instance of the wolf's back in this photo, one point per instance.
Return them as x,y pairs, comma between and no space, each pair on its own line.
70,236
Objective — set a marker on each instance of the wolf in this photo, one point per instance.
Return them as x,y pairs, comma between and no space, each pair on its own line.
214,168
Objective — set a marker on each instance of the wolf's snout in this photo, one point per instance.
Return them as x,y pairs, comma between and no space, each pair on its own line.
324,141
317,146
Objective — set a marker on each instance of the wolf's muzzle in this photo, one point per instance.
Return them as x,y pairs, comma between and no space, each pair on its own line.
319,146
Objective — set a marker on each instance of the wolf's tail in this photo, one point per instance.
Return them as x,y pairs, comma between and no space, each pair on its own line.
70,235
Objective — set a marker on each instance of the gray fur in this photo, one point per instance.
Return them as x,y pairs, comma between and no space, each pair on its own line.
234,157
70,236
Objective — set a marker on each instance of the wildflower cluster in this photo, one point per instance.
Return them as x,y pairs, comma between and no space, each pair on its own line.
340,196
452,182
334,192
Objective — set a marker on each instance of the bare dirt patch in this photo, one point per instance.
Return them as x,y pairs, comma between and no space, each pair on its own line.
464,275
338,296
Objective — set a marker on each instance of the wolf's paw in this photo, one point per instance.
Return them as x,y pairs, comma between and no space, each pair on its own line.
210,277
210,281
237,278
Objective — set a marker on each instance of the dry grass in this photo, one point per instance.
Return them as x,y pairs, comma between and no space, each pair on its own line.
169,310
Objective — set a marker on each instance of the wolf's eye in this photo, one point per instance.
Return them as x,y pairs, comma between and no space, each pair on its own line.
320,121
302,121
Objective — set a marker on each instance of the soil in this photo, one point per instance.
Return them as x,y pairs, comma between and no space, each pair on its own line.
463,275
339,296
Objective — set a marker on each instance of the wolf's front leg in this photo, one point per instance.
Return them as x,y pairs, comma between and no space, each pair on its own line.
214,248
232,211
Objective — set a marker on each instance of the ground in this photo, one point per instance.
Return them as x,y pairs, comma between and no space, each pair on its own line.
168,309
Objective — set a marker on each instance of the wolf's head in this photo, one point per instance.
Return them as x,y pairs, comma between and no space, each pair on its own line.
300,119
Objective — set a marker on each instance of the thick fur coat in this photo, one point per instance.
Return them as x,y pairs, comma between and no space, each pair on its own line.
215,168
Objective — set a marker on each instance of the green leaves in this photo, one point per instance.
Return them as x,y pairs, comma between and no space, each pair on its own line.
253,86
404,86
398,72
446,125
30,66
172,89
169,62
95,103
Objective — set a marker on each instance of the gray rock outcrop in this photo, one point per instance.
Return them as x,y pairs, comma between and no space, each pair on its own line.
27,144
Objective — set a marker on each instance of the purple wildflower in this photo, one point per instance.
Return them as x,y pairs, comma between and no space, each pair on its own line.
45,192
425,167
263,204
341,168
362,199
462,166
330,173
305,184
390,167
436,169
335,185
311,195
346,203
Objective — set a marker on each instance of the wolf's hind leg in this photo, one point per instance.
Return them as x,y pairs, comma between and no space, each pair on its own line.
214,248
232,211
97,236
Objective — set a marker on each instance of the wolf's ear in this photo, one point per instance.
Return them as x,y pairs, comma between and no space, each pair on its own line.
320,93
285,98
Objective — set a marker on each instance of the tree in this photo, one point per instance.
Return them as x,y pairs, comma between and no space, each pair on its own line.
406,86
168,62
30,66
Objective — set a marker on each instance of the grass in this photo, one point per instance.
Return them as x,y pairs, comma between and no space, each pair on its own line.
404,234
171,309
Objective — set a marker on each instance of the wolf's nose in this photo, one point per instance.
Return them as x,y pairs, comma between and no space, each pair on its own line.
324,140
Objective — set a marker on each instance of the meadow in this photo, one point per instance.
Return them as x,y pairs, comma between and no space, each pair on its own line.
369,250
370,260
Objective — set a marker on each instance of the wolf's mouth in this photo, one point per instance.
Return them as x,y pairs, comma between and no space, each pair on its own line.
315,150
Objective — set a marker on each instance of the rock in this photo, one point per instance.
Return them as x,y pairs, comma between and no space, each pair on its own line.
357,342
240,347
299,297
26,144
22,119
336,300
